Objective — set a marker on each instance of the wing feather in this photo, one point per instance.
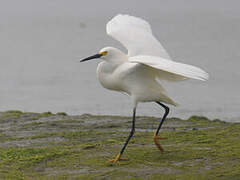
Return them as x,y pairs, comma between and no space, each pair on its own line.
136,35
180,69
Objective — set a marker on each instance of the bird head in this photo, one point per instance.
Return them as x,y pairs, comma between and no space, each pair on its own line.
108,54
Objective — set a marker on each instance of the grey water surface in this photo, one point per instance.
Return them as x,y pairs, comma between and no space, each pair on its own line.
41,43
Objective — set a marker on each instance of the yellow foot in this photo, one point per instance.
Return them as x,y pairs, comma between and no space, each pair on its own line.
156,138
118,158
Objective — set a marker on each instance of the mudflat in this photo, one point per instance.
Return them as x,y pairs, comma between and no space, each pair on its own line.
60,146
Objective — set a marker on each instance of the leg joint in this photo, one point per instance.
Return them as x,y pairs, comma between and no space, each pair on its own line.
167,109
132,132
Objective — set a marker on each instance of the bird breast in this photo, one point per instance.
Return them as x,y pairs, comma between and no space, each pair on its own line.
105,76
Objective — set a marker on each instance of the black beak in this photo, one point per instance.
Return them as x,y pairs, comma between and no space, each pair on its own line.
91,57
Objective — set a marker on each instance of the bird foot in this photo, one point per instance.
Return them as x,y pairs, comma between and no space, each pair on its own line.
156,138
118,158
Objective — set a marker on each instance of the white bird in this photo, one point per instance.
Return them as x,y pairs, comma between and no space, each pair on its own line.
140,72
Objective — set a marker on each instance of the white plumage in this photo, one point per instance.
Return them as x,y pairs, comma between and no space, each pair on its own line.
140,72
181,69
136,35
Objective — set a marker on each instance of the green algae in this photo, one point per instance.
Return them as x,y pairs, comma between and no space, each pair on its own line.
196,148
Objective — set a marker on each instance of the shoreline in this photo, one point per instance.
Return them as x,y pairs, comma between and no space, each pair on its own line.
47,145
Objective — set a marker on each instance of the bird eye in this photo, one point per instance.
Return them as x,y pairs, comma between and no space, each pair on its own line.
104,53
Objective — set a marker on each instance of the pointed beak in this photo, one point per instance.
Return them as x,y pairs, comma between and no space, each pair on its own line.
92,57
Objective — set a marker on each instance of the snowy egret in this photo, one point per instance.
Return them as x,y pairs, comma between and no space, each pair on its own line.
140,72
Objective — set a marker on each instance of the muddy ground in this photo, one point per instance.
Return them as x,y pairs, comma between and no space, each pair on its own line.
59,146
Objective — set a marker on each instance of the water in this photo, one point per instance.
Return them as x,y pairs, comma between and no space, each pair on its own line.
41,43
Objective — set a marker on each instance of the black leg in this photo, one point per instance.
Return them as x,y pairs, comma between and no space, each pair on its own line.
164,116
155,137
131,133
118,158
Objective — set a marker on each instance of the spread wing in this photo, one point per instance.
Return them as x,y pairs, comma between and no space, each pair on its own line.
166,67
136,35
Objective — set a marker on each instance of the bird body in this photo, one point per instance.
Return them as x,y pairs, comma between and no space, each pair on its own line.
139,73
135,79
